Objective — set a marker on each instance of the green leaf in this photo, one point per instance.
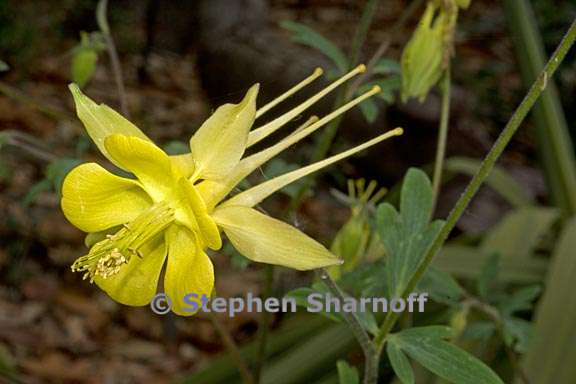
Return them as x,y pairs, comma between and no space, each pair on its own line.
57,171
467,262
279,166
441,286
499,180
444,359
407,234
521,300
518,234
386,67
481,330
517,334
429,331
346,373
369,110
552,353
366,318
43,185
3,66
389,87
8,366
399,362
307,36
488,275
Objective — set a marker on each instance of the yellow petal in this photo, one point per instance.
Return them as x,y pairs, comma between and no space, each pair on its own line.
188,269
184,164
255,195
137,281
94,199
220,142
264,239
146,161
102,121
197,218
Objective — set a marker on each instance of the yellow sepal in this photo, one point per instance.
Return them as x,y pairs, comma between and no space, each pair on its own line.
102,121
220,142
264,239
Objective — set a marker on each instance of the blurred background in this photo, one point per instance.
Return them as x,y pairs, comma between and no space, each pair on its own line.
179,61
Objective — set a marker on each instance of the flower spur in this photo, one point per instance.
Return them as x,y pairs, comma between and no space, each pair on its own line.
175,207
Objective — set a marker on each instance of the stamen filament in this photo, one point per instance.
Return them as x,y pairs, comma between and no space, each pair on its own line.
256,194
377,196
106,257
316,74
262,132
308,123
369,190
251,163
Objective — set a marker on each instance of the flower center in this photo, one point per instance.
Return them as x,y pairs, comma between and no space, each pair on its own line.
106,257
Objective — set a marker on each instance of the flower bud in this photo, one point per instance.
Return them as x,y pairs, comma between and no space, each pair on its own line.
422,59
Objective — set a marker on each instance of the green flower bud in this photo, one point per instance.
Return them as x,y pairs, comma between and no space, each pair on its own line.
422,59
83,65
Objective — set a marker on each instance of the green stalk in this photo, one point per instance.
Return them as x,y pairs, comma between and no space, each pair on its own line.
264,323
503,139
101,18
223,369
362,32
353,322
554,143
442,134
233,350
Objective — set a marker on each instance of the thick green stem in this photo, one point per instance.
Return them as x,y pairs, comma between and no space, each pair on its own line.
505,136
553,137
442,134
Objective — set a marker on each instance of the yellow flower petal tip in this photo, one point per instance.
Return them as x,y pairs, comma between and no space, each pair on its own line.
175,208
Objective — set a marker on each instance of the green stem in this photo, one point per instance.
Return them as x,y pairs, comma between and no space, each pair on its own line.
383,47
442,134
233,349
28,101
503,139
362,32
264,323
102,20
351,318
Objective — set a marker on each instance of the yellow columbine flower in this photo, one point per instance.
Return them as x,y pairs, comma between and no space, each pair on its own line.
175,207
